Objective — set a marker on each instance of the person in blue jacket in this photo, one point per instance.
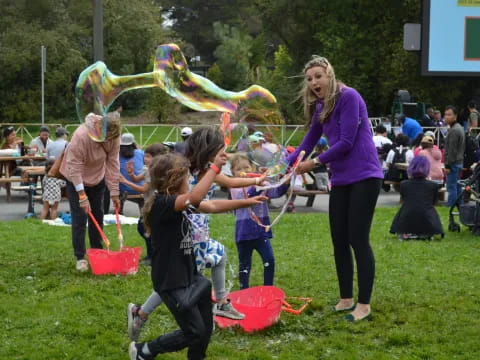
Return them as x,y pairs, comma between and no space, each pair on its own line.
410,127
131,167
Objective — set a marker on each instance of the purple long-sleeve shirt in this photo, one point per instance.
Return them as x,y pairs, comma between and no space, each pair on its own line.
245,227
352,155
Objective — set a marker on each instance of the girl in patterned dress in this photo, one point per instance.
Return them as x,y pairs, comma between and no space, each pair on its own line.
52,193
201,148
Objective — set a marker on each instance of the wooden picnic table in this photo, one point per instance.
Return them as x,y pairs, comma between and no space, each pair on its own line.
7,179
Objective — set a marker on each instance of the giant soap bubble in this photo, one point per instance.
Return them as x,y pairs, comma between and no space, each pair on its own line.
97,88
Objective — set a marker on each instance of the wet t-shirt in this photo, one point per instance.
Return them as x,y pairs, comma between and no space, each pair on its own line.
173,264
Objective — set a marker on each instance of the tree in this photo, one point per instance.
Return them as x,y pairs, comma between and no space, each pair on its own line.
132,31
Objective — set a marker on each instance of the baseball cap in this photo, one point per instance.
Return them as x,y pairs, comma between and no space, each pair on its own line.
258,133
427,139
60,131
44,129
127,139
290,149
186,131
322,142
255,138
430,133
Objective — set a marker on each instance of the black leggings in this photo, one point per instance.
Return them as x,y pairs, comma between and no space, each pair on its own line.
196,325
351,211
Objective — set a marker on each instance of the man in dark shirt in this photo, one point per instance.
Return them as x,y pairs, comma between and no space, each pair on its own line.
427,120
454,152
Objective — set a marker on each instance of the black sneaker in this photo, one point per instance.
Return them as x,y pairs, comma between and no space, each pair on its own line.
146,261
134,322
135,352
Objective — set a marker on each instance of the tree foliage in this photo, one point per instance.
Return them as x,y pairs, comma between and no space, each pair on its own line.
364,42
131,32
266,42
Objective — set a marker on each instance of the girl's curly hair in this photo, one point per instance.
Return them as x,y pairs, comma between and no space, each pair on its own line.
168,173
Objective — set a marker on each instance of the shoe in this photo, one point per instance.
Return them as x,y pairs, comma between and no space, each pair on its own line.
352,318
134,322
135,352
82,265
344,309
227,310
146,261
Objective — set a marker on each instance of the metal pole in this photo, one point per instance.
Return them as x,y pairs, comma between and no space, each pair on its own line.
44,69
97,30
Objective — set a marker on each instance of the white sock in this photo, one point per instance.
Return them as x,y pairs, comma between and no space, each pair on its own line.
146,350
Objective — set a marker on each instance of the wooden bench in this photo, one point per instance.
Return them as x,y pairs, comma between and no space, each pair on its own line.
310,194
134,196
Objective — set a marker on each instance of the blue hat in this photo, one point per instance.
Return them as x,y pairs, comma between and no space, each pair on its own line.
322,142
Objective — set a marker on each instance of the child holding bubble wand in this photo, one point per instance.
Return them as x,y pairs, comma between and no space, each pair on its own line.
174,274
250,231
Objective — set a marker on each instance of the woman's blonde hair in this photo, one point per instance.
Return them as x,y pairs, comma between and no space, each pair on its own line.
114,125
331,94
167,173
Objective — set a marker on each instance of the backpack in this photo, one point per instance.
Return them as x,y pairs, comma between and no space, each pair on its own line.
395,174
471,148
384,150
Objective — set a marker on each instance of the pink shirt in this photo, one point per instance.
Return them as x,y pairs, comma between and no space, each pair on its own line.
87,162
434,156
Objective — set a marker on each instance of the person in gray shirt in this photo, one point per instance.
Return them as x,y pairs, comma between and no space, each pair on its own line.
42,140
55,148
454,152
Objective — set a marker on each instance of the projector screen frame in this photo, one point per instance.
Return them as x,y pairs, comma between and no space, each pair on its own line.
426,49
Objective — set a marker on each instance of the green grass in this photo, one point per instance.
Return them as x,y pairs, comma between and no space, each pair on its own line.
425,303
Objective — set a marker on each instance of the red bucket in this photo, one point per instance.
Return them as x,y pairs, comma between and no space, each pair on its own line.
121,262
262,306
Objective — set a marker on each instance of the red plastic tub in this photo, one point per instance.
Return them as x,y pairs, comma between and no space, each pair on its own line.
262,306
121,262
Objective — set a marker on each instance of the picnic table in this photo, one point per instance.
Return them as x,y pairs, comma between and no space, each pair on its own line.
27,171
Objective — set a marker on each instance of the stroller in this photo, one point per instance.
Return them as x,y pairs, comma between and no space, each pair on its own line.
469,211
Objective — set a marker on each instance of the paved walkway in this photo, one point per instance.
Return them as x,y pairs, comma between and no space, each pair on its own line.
17,208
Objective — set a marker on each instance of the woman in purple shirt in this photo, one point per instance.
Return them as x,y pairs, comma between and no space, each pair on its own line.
339,112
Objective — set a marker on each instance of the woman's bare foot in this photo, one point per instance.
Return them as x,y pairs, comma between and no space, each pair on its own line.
344,304
361,312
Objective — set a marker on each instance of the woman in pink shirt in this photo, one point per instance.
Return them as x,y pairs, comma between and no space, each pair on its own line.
89,165
434,156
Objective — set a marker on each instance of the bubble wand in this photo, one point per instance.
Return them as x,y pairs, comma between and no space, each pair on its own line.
292,175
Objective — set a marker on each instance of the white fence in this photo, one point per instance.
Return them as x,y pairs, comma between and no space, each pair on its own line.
146,134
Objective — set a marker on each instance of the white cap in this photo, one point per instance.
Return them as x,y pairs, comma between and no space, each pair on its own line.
186,131
127,139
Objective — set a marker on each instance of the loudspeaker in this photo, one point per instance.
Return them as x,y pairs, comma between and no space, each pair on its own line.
412,37
410,110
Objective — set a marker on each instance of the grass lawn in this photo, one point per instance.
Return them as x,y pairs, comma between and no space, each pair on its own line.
425,303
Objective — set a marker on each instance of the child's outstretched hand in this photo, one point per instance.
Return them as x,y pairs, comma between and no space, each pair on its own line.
262,179
288,177
122,179
220,158
255,200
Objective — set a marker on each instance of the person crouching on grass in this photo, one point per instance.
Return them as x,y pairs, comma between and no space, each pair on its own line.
417,218
174,273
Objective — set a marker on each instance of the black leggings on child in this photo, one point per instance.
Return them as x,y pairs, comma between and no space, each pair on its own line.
351,211
196,325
